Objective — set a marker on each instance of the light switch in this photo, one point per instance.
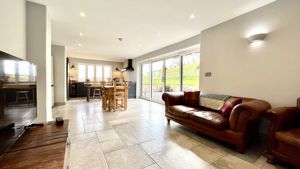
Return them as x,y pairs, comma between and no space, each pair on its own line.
207,74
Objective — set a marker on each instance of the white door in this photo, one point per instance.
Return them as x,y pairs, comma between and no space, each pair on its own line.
52,81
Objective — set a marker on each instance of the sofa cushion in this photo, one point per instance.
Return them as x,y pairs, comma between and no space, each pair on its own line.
191,98
180,110
290,137
213,101
210,119
229,105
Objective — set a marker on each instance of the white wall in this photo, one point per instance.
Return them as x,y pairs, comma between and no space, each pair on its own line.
13,27
38,41
270,71
59,67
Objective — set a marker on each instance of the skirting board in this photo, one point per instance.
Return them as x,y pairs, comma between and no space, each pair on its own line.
59,104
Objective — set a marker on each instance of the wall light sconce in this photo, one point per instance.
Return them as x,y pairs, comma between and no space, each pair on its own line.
73,66
257,39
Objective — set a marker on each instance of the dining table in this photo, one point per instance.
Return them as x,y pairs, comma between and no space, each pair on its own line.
108,93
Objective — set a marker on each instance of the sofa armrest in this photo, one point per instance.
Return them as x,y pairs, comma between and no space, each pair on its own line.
245,112
283,118
173,99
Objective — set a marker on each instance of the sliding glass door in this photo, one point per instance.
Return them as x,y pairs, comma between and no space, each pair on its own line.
174,74
157,80
146,81
191,71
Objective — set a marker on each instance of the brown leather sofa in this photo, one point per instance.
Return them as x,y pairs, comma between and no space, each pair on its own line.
239,128
284,134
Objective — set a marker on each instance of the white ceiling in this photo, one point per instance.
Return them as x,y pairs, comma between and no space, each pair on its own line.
145,25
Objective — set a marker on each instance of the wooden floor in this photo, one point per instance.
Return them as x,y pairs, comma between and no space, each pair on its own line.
40,147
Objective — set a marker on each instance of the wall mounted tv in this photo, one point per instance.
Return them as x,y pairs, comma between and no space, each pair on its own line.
17,98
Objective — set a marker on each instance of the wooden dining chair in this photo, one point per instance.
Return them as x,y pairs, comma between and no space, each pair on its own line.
104,98
119,95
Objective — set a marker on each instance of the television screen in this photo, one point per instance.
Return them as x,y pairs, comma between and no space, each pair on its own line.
17,98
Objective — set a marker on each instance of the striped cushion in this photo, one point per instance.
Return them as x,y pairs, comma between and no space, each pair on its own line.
229,105
191,98
213,101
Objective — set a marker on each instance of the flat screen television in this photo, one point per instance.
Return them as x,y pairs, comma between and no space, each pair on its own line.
17,98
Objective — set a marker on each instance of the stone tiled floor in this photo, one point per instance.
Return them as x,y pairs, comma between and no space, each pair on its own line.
140,138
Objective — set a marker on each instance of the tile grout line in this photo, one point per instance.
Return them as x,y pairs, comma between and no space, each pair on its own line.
148,156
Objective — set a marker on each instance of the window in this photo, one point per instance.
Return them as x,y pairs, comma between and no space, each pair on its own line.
81,73
24,71
91,73
190,71
107,73
95,73
99,73
173,74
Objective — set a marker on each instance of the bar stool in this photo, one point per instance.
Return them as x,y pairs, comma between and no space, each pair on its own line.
96,92
22,95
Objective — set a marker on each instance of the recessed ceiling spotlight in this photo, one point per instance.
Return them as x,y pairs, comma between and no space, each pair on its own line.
82,14
80,34
120,39
79,44
158,34
192,16
139,45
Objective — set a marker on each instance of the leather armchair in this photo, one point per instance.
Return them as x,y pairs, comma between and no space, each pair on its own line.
284,135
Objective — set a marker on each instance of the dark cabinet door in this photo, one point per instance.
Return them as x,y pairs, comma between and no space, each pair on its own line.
80,90
132,90
72,89
77,90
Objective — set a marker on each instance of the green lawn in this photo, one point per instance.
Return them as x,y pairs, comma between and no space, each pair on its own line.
190,77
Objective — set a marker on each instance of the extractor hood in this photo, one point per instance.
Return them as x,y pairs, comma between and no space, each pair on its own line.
129,66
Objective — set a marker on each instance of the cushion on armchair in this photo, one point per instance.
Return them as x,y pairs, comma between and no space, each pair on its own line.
191,98
290,137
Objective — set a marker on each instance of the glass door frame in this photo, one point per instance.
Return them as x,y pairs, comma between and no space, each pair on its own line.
163,79
180,70
180,56
141,77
